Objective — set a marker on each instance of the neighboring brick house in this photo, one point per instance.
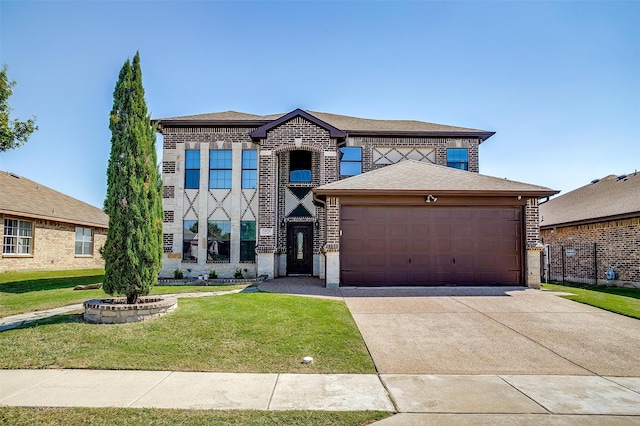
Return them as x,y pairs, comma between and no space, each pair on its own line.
292,194
605,212
44,229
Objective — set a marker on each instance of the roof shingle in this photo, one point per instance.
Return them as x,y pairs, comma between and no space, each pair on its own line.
342,122
415,176
20,196
603,198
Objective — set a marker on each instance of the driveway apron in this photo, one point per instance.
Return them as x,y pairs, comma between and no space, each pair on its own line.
511,331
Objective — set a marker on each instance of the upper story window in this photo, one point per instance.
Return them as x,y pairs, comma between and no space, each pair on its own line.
350,161
18,237
192,169
84,241
300,166
458,158
249,168
220,169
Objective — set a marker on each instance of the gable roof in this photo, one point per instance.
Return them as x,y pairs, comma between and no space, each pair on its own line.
416,177
351,125
261,132
22,197
603,199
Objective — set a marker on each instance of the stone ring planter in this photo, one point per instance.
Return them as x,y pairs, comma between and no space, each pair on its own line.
117,311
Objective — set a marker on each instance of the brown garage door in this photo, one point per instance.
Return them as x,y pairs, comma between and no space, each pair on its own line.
415,245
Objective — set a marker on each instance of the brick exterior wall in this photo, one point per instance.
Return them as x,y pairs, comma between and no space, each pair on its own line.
617,243
532,222
273,182
191,204
54,248
295,134
439,144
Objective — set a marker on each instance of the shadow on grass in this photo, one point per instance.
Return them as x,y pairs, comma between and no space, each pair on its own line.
44,284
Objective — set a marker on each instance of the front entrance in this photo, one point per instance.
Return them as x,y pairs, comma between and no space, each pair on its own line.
300,248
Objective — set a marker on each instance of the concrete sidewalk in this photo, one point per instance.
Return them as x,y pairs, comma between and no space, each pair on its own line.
399,393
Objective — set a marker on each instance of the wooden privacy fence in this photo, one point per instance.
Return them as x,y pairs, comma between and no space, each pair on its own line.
570,263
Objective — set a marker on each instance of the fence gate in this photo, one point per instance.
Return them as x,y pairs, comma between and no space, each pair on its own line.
571,263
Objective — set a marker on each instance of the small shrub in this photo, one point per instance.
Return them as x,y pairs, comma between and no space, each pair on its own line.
213,274
238,274
177,274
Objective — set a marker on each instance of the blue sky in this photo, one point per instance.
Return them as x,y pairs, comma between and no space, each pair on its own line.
558,81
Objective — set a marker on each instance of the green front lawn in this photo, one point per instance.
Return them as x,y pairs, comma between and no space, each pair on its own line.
242,332
625,301
162,417
35,291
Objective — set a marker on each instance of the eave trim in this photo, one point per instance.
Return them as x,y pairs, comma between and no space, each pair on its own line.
261,132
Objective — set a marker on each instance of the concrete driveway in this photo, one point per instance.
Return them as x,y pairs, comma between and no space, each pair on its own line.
508,331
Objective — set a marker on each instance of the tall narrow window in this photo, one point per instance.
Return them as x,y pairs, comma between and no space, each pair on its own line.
248,241
249,169
300,166
192,169
220,169
84,241
218,241
18,237
458,158
350,161
190,240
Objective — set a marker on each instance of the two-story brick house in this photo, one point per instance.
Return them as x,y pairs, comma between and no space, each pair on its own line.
353,201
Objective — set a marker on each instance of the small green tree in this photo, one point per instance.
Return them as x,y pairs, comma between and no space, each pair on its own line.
133,250
12,133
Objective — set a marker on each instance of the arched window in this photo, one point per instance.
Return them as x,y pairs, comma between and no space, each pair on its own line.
300,166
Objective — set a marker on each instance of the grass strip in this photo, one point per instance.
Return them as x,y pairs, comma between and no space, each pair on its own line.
243,332
162,417
36,291
624,301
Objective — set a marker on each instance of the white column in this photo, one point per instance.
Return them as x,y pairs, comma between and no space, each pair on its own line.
333,269
203,196
236,201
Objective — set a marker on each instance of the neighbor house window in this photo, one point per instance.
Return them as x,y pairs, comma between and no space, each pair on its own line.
218,241
350,161
84,241
300,166
249,169
18,237
220,169
190,240
458,158
192,169
248,241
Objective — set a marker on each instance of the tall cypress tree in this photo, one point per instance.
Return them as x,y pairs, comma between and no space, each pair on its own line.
133,250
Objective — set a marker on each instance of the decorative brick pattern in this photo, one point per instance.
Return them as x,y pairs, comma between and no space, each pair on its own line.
440,145
167,242
168,216
168,191
168,167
